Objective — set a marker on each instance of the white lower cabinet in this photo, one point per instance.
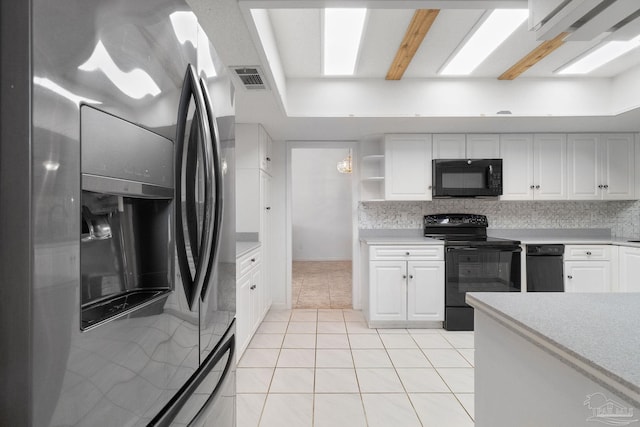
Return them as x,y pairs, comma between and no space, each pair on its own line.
405,285
587,268
250,301
629,269
587,276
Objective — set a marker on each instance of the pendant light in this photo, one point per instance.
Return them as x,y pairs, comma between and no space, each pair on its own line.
346,165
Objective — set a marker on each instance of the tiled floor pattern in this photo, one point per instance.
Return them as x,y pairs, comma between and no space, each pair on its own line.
327,368
321,284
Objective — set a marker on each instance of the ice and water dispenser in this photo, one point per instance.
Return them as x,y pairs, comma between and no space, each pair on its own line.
126,242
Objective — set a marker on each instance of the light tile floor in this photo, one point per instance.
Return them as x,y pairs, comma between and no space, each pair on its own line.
321,284
325,367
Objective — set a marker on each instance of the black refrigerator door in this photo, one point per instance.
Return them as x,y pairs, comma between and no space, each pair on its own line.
208,399
195,190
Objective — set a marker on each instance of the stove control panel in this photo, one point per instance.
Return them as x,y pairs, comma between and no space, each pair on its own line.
455,220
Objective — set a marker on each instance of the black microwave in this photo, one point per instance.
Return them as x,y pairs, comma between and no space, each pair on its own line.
467,178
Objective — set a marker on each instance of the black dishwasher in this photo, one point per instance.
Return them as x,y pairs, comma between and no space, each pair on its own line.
544,268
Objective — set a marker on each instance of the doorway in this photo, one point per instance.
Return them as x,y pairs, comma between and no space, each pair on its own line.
321,229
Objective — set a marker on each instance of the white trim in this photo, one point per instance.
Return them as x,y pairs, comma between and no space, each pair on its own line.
355,196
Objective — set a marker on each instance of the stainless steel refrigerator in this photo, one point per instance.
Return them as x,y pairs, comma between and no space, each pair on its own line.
117,222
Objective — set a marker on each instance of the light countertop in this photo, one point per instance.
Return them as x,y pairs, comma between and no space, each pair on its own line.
596,334
243,248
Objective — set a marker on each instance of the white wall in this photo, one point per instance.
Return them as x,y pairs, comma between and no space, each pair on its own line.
321,205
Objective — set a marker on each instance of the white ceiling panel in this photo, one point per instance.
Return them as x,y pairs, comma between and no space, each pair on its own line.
299,37
383,34
447,32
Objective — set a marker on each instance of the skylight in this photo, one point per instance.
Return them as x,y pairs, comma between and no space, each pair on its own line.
500,24
342,35
600,56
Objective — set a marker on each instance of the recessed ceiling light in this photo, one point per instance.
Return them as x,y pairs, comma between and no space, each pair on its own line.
600,56
498,26
342,35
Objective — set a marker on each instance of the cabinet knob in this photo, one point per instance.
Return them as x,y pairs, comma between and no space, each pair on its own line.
569,277
268,159
600,186
532,187
411,276
253,260
252,287
606,186
588,253
268,208
430,187
537,187
408,253
404,276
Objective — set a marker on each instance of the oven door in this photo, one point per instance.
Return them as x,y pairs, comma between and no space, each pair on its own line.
480,269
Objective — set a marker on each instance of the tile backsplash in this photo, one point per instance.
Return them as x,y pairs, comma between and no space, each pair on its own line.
622,217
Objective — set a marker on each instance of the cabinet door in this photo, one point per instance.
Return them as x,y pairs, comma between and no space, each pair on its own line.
243,312
516,151
449,146
387,290
618,158
266,219
257,298
583,167
265,150
483,146
550,166
587,276
629,269
425,290
407,167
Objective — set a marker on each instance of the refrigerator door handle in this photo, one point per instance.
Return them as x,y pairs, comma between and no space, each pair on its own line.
166,417
218,188
200,247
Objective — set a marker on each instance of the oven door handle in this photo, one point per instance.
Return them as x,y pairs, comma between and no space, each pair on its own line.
516,249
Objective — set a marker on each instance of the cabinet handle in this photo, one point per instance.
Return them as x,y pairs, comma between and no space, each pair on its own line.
537,187
588,253
569,277
268,208
430,187
532,187
252,287
404,276
606,186
411,276
600,186
253,260
407,253
268,159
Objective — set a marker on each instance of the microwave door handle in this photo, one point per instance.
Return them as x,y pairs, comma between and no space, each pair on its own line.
218,191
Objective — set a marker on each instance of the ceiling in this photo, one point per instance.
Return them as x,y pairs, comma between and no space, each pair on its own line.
290,57
299,40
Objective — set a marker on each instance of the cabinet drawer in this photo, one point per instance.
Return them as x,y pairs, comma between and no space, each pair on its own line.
587,252
401,253
248,261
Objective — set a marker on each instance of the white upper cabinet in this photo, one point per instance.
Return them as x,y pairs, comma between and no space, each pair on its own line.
407,159
534,166
470,146
253,147
601,166
516,151
483,146
549,167
449,146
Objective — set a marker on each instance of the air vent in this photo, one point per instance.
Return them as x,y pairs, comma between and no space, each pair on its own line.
251,77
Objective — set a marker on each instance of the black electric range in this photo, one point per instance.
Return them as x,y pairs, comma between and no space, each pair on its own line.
474,262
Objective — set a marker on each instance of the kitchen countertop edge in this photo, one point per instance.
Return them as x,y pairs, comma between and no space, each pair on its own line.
571,357
243,248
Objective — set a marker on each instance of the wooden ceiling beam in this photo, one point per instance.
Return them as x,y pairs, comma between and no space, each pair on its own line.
417,30
533,57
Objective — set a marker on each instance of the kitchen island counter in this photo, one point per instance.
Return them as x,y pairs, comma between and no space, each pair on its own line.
562,348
